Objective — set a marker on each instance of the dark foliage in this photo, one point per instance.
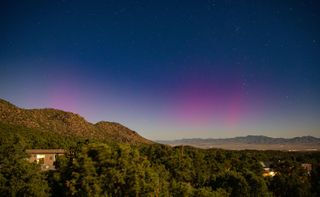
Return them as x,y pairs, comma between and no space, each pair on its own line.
92,168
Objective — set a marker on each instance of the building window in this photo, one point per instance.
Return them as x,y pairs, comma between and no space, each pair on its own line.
41,161
40,158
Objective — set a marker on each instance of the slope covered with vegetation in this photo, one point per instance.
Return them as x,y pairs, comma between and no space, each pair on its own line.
66,124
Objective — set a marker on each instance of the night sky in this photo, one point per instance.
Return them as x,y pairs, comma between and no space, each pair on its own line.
168,69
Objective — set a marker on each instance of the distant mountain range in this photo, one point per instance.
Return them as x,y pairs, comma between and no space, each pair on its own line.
67,124
257,142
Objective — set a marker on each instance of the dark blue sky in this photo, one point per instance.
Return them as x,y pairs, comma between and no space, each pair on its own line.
168,69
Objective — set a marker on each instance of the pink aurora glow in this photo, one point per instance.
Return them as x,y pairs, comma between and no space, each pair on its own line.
64,95
202,105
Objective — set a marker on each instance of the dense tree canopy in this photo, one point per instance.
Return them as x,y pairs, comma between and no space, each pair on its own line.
114,169
18,177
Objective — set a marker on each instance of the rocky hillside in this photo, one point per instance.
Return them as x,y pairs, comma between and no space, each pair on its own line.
67,124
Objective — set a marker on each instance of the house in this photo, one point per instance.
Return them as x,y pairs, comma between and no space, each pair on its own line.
307,167
267,169
44,157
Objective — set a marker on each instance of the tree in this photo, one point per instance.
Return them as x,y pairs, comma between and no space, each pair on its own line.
315,179
233,182
291,180
207,192
258,186
100,169
181,189
18,177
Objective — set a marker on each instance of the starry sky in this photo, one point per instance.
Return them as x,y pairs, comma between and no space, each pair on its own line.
168,69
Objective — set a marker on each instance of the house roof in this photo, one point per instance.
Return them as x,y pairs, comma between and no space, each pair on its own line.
45,151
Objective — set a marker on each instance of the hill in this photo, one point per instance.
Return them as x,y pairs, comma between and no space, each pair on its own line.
66,124
257,142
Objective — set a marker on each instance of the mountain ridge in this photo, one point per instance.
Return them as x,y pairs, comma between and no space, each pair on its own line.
250,138
67,124
258,142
